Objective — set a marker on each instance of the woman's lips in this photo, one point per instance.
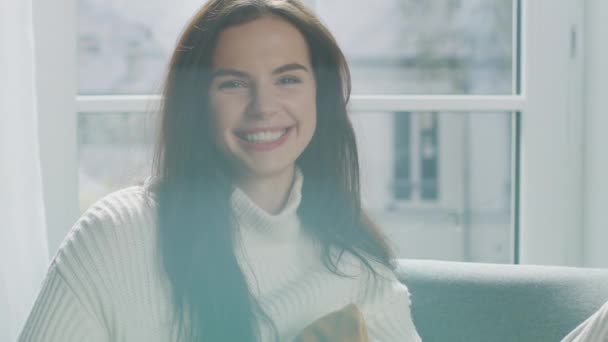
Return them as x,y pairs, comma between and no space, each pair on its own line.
263,129
262,145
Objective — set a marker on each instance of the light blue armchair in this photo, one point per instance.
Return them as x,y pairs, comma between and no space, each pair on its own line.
454,301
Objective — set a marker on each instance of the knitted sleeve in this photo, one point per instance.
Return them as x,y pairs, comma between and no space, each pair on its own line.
85,283
385,304
59,315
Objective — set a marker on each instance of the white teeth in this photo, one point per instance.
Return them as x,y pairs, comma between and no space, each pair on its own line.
264,137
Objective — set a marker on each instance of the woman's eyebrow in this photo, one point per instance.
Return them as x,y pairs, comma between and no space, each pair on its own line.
289,67
228,72
241,74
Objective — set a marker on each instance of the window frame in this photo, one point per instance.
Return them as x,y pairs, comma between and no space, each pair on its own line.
544,107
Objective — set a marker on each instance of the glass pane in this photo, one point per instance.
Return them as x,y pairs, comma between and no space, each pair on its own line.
114,151
439,183
425,47
394,46
124,45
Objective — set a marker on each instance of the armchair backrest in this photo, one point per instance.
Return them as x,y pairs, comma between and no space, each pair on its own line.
455,301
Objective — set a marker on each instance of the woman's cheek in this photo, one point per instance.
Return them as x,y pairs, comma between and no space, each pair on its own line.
228,108
310,103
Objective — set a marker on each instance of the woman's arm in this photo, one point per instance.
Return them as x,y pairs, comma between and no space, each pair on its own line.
595,328
75,302
59,315
385,304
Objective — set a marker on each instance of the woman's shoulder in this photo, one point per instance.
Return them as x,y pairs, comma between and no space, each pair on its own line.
124,206
377,280
134,196
111,226
107,250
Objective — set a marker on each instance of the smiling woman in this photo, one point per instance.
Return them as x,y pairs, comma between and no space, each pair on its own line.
251,228
263,105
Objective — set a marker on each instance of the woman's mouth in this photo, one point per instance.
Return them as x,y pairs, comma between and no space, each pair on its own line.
263,137
264,140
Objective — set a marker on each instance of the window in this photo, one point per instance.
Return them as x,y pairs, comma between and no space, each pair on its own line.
118,139
425,47
416,157
403,182
439,183
429,78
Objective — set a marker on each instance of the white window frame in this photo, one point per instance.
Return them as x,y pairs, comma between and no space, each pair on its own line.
547,107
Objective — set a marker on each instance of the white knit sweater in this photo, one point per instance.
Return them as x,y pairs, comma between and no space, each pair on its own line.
105,282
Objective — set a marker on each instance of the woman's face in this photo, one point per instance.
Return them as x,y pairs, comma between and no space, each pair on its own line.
262,96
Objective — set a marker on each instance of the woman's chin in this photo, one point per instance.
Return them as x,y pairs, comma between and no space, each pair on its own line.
266,170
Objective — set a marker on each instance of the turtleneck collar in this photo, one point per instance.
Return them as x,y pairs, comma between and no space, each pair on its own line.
281,226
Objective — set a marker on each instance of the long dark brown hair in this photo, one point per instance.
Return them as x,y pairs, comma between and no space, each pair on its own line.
211,298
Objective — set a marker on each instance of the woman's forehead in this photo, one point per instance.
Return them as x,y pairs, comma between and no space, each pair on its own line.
266,42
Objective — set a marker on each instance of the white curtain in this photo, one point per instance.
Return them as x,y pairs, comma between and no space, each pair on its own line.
23,243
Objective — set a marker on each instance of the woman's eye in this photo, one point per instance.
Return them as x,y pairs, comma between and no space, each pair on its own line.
289,80
231,84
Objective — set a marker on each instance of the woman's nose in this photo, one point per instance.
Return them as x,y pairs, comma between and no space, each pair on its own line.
264,102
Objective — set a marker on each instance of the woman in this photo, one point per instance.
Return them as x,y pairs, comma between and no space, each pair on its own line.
251,227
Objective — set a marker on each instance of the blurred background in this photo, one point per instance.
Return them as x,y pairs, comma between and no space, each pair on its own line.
445,93
439,182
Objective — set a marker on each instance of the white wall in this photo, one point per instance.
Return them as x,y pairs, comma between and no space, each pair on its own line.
596,101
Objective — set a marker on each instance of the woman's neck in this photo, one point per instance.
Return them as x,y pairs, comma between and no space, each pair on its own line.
271,192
